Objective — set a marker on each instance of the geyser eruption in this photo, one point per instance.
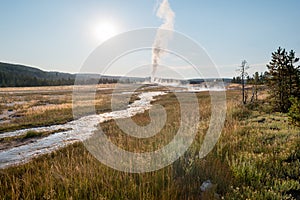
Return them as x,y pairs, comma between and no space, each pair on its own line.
165,13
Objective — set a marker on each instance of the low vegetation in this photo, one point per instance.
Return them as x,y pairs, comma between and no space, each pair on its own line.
36,107
257,157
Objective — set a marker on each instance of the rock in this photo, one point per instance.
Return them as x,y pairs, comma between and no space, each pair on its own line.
205,189
261,120
206,185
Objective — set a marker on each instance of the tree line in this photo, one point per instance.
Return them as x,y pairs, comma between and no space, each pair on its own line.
282,80
256,78
8,79
19,80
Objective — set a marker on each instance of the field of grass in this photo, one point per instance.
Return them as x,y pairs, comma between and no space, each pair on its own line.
257,157
44,106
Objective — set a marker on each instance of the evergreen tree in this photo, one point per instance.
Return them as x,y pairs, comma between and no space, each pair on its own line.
293,74
233,80
282,79
256,82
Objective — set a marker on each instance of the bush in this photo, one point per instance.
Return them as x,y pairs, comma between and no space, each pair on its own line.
241,112
294,111
32,134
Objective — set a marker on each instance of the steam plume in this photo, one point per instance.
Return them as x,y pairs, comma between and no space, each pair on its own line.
165,13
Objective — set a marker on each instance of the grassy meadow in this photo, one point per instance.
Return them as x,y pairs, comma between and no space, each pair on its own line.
256,157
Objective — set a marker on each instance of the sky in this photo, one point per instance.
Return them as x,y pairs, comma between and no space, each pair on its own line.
60,35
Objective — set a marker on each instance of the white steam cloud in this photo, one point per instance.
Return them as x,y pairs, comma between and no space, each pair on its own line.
165,13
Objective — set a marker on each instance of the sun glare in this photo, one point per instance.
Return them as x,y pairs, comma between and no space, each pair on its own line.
105,30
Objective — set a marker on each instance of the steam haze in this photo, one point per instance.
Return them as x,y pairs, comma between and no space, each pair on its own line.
165,13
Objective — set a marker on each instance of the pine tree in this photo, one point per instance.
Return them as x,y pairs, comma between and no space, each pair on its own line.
256,83
233,80
282,79
293,75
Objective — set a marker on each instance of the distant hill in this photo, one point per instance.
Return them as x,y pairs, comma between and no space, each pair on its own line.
32,72
14,75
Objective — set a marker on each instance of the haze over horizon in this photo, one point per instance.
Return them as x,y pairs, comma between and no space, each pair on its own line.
59,36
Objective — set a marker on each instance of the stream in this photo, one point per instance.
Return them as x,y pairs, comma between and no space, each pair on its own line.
76,130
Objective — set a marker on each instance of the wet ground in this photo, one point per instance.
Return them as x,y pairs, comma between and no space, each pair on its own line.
21,150
16,147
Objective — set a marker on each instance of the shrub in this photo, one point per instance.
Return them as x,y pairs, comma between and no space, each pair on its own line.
294,111
241,113
32,134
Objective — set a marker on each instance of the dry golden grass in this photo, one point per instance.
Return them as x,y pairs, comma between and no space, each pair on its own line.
50,88
40,106
73,172
252,160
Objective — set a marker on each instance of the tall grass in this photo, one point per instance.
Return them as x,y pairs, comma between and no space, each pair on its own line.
252,160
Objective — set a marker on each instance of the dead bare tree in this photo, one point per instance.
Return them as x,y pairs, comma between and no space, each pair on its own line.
243,74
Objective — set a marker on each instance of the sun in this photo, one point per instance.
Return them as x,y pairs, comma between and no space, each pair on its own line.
105,30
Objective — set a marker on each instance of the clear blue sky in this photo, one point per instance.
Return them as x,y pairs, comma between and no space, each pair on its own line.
58,35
